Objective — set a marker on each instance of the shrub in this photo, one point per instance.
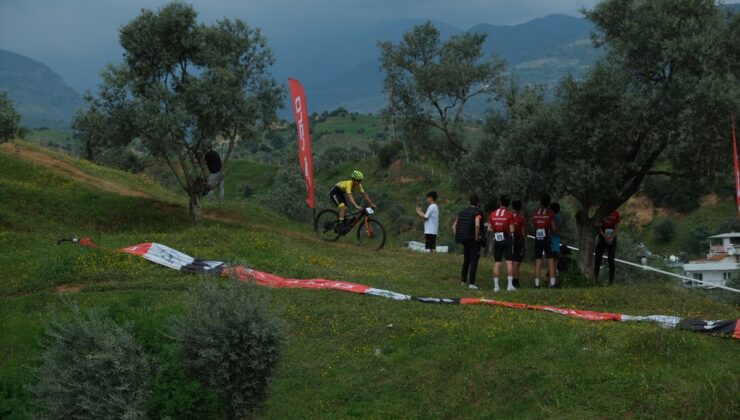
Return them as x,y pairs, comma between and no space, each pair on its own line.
231,343
287,196
679,196
175,395
246,190
389,153
695,241
664,230
90,367
729,224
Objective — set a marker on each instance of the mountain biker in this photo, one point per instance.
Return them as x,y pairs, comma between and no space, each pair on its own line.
502,229
543,220
342,191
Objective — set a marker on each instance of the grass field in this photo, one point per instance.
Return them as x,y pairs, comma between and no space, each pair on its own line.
54,139
348,355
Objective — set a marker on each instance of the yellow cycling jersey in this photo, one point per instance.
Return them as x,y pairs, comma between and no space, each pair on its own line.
346,187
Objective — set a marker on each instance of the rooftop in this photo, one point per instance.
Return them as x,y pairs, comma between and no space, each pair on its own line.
726,235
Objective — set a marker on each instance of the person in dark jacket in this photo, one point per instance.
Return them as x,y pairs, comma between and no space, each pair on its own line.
216,176
469,231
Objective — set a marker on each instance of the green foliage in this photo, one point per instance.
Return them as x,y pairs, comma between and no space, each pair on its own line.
181,85
429,81
288,196
9,118
231,343
90,367
664,230
388,153
659,93
696,241
679,195
173,394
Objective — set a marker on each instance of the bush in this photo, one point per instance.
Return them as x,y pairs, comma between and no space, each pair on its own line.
90,367
696,241
389,153
287,196
231,343
664,230
175,395
246,191
679,196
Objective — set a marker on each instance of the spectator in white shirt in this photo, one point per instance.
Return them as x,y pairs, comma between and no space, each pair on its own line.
431,221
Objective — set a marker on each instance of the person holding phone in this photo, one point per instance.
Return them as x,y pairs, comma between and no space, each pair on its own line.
431,221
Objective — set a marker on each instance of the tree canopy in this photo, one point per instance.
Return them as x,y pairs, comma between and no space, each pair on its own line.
429,81
9,118
181,85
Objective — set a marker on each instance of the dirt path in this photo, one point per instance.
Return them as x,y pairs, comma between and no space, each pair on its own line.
67,170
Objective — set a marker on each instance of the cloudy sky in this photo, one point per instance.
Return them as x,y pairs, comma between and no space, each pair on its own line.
77,37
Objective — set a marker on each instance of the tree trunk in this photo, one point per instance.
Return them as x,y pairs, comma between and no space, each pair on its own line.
196,207
586,243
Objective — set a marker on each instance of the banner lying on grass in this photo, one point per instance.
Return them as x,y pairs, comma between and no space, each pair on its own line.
172,258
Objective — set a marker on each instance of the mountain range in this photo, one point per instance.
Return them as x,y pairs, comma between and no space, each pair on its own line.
38,93
344,70
341,68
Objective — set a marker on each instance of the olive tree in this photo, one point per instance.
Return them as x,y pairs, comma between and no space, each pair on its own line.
183,84
9,118
429,82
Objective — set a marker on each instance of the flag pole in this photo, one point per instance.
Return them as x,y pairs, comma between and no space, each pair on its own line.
737,167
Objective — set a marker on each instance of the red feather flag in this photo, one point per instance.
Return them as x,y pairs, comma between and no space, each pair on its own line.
305,158
737,167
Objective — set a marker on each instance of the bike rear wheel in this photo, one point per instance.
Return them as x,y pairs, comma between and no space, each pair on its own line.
326,225
371,234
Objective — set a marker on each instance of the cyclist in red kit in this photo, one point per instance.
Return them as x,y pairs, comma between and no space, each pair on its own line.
607,242
502,230
520,234
543,220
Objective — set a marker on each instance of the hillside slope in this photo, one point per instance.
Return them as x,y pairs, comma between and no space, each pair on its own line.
38,93
347,355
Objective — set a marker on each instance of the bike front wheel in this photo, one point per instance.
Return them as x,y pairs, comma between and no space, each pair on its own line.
326,225
371,234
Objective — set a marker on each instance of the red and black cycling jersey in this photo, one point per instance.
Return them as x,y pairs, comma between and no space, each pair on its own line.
542,221
611,221
500,223
519,226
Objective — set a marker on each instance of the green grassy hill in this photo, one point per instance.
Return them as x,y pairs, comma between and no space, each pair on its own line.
347,355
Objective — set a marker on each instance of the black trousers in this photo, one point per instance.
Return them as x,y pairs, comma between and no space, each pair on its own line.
471,256
611,250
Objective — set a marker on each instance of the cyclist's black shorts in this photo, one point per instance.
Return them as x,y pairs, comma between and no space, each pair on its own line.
544,245
517,250
337,197
502,249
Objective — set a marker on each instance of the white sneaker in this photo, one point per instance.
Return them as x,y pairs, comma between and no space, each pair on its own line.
511,289
474,287
496,290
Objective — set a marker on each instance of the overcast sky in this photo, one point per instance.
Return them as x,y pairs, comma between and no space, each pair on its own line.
77,37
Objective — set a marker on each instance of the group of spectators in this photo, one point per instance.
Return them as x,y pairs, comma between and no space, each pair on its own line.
506,230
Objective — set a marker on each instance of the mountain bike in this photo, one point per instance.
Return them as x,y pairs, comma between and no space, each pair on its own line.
370,232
